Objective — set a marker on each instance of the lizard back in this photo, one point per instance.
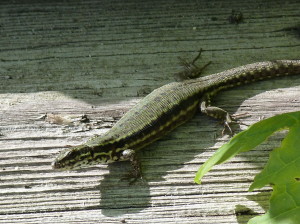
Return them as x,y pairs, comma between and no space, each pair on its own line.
163,110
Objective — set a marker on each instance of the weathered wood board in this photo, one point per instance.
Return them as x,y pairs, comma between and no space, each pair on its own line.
98,58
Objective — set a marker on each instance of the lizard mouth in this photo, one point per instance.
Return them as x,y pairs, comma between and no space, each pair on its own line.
56,166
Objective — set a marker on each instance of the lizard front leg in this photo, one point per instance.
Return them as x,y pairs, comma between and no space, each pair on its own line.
136,173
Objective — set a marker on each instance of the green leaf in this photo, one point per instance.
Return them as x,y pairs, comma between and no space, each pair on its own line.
282,170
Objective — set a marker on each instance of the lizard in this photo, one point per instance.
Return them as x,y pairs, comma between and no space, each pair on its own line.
166,108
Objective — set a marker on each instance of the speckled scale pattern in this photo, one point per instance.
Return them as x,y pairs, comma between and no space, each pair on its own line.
166,97
166,108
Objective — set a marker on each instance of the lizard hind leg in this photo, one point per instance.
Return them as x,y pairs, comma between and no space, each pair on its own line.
190,69
218,113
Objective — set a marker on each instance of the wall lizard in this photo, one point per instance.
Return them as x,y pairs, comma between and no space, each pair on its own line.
166,108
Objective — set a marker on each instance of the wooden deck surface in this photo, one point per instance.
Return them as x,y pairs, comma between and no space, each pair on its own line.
68,60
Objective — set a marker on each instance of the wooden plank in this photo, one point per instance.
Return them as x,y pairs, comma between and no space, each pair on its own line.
98,58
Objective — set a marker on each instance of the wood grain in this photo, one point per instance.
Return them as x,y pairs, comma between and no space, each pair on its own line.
98,58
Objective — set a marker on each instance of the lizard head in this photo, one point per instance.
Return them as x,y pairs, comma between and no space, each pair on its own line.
84,155
72,158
